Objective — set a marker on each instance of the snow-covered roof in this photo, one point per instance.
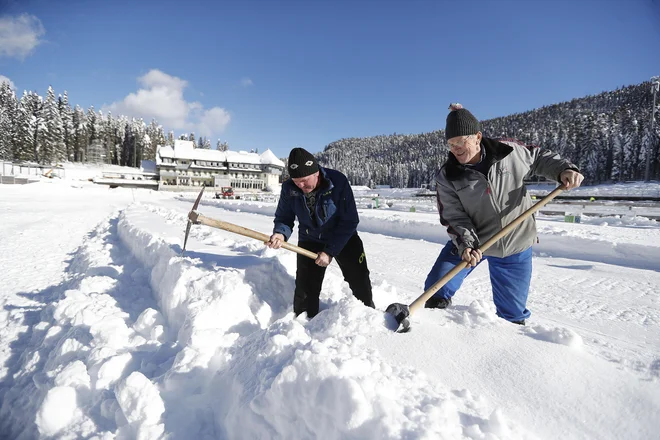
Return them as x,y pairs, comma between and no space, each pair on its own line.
186,150
268,157
242,157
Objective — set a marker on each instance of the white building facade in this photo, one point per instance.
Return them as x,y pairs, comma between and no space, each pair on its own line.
183,166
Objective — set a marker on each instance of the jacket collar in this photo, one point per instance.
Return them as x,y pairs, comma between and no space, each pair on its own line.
495,151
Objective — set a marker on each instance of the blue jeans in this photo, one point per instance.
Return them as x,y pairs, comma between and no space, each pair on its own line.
510,277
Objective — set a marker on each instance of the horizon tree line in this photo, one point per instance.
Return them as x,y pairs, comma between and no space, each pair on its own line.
606,135
49,131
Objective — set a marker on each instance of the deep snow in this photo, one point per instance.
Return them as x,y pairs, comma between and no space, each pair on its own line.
109,333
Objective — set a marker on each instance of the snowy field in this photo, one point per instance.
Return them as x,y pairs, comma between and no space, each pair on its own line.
109,333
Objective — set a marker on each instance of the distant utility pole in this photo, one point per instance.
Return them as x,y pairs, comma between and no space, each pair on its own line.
655,87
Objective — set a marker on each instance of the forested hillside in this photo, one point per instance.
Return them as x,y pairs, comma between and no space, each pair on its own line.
47,130
606,135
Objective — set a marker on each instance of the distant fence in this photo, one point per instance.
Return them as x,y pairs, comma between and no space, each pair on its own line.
13,173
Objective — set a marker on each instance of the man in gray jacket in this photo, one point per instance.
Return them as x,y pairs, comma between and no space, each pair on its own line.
480,190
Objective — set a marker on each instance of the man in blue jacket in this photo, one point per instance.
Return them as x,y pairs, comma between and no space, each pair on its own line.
323,202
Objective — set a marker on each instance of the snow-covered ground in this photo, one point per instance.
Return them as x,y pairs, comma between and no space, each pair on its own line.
109,333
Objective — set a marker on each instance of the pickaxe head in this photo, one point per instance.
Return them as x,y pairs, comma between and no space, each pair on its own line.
190,221
400,313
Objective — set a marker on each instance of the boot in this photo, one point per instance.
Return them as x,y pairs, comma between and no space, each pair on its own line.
437,302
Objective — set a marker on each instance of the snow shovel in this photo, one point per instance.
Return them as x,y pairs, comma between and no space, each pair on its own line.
196,218
402,312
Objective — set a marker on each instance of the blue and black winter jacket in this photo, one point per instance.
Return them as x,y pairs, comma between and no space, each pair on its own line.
335,215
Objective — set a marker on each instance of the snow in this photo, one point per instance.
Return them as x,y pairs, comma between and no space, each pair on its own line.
109,333
187,150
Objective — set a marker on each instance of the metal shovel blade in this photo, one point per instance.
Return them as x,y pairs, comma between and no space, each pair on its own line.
194,208
400,313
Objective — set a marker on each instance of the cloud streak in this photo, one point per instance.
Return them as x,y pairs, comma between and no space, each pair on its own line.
161,97
19,35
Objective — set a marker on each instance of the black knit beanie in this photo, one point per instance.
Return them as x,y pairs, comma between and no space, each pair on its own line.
301,163
460,122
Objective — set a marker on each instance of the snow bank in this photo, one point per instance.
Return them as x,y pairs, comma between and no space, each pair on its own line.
267,374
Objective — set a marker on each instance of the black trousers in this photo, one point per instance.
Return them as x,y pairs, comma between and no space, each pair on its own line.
309,276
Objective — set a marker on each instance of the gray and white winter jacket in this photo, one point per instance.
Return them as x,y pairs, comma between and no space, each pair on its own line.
475,208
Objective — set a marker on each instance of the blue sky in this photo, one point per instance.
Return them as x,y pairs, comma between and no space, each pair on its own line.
279,74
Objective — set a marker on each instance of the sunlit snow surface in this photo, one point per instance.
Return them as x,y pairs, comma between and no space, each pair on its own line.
109,333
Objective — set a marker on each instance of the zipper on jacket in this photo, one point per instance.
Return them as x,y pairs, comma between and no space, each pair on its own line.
489,191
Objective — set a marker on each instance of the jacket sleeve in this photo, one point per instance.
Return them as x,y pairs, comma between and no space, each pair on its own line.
284,214
453,216
347,222
547,163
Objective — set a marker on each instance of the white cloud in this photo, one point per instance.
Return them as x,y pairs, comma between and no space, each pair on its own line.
156,78
246,82
19,35
212,118
4,79
162,98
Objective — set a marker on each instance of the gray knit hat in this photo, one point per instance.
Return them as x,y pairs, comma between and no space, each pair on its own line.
302,163
460,122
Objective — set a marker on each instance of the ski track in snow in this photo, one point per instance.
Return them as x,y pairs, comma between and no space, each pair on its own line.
136,341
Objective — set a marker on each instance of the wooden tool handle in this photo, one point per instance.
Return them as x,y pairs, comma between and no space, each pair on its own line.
460,266
198,218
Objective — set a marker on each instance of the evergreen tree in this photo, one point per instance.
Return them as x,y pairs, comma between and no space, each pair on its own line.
139,130
31,128
54,149
107,135
97,152
80,135
157,137
8,121
67,124
118,132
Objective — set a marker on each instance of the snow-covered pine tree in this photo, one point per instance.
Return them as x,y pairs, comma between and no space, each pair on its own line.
157,137
31,127
140,130
108,138
127,146
8,121
121,125
204,143
95,150
67,124
80,136
54,148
